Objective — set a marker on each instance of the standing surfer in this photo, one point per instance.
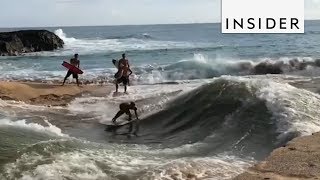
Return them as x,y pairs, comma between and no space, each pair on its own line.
76,62
124,71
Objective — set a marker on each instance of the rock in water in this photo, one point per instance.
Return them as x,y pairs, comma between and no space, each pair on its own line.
26,41
268,68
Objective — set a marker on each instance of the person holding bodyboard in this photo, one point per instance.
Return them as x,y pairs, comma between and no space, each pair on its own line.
124,71
75,62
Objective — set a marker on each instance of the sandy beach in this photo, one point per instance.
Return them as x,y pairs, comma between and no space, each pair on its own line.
299,159
48,94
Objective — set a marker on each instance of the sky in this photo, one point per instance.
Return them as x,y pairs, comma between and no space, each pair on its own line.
40,13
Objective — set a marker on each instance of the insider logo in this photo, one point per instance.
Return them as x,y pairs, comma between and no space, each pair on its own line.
262,16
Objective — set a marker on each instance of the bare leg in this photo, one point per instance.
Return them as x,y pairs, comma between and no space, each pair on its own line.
117,86
77,81
137,123
66,77
126,83
130,116
117,116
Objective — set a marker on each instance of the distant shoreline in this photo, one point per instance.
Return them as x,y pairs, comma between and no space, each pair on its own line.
164,24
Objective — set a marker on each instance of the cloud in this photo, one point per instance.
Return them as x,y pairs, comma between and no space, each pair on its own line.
312,9
316,1
116,12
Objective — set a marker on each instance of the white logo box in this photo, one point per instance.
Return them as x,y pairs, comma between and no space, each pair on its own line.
262,16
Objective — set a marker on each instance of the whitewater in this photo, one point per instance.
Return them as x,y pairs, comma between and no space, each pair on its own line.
210,107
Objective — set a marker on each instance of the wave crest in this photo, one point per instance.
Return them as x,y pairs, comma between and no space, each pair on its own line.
232,113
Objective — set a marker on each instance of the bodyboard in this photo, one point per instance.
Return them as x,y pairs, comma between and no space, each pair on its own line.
72,68
116,63
111,126
119,72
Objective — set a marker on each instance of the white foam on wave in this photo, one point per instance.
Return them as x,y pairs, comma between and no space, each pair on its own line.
148,91
149,98
30,70
22,106
292,106
50,129
117,161
33,75
310,71
185,69
200,66
17,109
201,58
71,165
142,74
98,107
90,46
215,168
294,110
63,36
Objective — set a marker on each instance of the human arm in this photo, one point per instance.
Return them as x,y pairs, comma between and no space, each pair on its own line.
129,68
130,72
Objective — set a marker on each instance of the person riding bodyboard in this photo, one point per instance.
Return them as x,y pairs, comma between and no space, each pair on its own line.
125,108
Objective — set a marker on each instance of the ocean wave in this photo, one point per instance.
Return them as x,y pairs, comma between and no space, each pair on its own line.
200,66
132,36
235,113
313,32
49,129
113,44
61,159
149,99
207,132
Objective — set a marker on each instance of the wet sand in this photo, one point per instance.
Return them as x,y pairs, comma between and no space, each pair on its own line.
299,159
48,94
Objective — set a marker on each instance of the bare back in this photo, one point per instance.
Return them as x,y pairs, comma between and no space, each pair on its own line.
124,65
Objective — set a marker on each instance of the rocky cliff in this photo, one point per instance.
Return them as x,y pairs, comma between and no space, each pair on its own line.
26,41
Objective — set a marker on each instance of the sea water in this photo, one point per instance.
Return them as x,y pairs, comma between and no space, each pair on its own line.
204,112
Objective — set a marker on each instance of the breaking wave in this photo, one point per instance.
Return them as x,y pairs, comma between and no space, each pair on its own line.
114,44
241,115
209,132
